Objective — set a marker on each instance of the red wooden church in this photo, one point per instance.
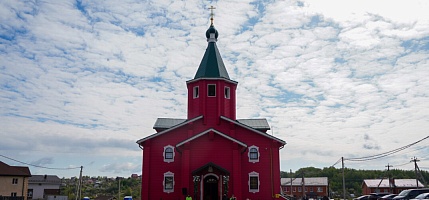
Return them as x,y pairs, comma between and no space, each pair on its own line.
211,153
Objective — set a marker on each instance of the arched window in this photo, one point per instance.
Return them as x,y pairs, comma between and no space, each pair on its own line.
168,182
169,154
253,154
253,182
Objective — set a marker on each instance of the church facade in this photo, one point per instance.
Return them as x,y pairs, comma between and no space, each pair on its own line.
211,153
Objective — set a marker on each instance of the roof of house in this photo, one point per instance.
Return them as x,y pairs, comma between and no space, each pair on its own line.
406,183
7,170
165,123
52,179
313,181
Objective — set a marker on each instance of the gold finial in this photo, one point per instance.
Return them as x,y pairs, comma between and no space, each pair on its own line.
211,15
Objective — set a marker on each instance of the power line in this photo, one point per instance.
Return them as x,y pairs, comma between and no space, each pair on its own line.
381,155
38,165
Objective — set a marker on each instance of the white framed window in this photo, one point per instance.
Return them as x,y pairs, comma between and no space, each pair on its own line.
253,154
211,90
169,154
13,194
168,183
253,182
14,181
319,189
196,92
227,92
311,189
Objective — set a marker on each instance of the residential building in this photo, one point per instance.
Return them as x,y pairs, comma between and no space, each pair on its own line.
311,187
211,153
39,186
14,181
394,186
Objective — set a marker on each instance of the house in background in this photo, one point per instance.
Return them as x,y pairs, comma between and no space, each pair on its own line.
14,181
40,186
394,186
315,187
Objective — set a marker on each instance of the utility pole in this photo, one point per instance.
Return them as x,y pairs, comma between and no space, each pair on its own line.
119,190
415,160
303,186
291,194
388,176
344,180
79,187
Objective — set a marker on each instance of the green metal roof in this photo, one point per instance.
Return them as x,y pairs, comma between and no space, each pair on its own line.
211,65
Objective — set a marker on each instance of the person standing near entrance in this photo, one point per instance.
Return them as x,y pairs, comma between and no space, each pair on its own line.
188,197
233,197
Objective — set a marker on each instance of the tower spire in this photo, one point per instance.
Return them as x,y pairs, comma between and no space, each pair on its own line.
211,15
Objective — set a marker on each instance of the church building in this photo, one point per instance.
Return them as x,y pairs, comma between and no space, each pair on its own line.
211,153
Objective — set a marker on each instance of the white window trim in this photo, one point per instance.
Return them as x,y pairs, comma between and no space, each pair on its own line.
227,92
168,174
196,92
254,174
248,154
174,154
209,90
319,189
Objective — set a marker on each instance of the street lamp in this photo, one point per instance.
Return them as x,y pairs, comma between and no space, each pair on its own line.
196,181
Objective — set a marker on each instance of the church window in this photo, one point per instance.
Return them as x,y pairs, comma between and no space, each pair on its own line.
253,182
169,153
196,93
168,182
227,92
253,154
211,92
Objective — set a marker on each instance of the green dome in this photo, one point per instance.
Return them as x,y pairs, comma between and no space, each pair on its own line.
212,30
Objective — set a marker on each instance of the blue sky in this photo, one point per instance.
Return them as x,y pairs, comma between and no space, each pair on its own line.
82,81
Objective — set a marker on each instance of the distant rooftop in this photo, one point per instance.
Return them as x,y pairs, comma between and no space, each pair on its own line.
313,181
406,183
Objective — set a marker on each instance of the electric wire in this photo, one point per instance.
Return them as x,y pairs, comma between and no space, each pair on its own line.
381,155
67,168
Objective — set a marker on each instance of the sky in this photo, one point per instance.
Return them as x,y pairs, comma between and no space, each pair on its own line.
82,81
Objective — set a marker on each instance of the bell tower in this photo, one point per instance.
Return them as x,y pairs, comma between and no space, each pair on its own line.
211,93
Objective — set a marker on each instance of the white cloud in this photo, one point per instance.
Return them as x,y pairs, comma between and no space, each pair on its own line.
326,74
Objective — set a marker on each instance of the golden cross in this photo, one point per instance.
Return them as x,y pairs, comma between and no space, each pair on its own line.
211,15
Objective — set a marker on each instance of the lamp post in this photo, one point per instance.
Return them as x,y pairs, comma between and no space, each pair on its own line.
225,184
196,181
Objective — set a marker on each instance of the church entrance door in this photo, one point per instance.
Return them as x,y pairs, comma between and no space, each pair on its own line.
211,188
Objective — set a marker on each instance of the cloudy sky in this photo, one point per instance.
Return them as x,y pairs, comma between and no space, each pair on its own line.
81,81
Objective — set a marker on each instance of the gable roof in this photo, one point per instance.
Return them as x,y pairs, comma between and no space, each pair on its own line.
254,130
53,179
210,165
258,124
382,183
313,181
7,170
208,131
170,129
